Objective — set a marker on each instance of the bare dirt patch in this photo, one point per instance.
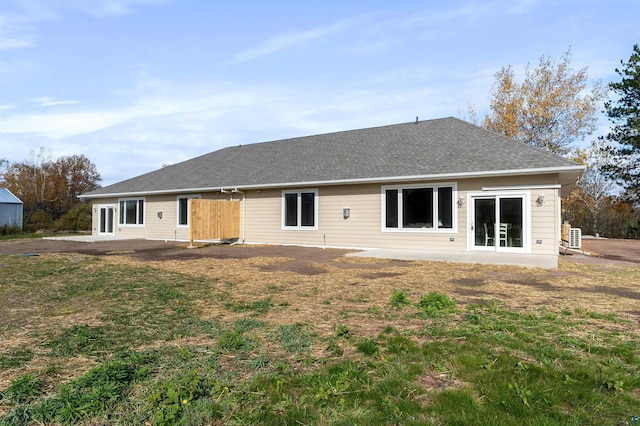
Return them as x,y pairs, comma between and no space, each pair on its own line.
610,251
319,286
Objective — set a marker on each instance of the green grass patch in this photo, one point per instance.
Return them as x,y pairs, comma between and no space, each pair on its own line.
15,357
435,304
257,307
399,299
447,364
293,338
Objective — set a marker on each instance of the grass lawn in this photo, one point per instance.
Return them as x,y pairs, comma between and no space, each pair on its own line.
110,340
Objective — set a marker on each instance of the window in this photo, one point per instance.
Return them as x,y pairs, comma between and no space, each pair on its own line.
183,209
131,212
418,207
299,209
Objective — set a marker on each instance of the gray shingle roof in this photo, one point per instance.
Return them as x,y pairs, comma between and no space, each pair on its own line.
446,146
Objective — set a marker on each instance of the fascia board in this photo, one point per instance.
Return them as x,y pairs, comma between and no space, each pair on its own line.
441,176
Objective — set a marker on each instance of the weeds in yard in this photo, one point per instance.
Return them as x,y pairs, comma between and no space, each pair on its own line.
24,388
257,307
293,338
157,359
435,304
15,357
399,299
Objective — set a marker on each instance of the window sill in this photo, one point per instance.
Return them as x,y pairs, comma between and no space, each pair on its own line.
299,228
421,230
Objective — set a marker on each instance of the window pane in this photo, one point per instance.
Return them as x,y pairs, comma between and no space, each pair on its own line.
485,214
130,212
121,213
445,207
110,220
307,201
103,220
511,222
182,211
291,209
417,208
391,208
140,212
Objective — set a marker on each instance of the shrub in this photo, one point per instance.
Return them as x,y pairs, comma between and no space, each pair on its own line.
39,220
10,230
77,218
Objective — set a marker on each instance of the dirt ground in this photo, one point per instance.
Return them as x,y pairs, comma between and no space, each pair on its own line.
607,281
611,251
302,259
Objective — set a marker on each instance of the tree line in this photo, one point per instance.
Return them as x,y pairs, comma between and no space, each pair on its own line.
49,190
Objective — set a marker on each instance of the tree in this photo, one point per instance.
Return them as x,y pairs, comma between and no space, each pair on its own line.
624,112
551,109
588,204
50,188
4,163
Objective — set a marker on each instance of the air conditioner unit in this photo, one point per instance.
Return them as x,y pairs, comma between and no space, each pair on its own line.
575,238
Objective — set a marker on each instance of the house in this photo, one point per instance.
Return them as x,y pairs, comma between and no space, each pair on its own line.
440,184
10,210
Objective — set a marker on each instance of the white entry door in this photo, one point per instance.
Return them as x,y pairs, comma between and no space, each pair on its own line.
499,223
105,219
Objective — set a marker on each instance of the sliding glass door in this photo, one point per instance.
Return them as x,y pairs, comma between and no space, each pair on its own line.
498,223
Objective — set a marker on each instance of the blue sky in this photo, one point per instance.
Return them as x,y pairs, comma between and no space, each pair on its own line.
135,84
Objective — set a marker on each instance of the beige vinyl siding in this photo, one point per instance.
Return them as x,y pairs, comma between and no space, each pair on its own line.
544,222
364,227
165,228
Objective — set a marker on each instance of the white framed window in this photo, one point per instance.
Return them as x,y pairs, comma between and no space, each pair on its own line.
424,208
300,209
131,211
184,210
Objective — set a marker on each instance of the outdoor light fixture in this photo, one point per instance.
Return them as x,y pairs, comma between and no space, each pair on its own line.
460,201
540,199
159,215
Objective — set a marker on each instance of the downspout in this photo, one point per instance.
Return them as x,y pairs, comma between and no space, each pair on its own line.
244,215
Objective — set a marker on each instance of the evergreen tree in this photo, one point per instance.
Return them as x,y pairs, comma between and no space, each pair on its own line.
624,112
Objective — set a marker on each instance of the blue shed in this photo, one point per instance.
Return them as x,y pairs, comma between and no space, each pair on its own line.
10,209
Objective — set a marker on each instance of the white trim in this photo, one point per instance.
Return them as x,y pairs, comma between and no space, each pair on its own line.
188,197
434,186
390,179
526,220
114,218
144,213
520,187
299,226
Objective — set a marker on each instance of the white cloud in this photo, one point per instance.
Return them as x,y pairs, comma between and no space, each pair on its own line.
45,10
14,33
109,7
49,102
291,39
8,43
